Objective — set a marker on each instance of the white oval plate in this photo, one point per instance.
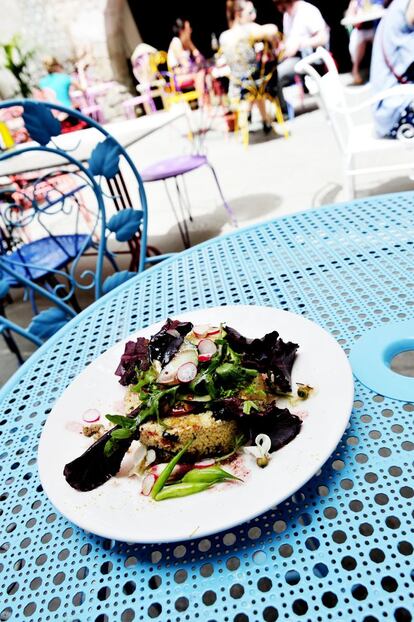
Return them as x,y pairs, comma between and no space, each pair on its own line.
118,511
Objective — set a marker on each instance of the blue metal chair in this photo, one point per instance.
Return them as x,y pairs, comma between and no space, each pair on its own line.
49,265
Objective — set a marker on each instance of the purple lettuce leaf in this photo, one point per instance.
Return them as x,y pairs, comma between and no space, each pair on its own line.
164,344
278,423
228,408
135,357
93,468
270,355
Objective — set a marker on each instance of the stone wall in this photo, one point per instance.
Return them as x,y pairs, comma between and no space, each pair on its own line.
104,29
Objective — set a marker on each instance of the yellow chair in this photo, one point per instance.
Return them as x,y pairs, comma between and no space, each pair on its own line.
172,94
256,91
6,139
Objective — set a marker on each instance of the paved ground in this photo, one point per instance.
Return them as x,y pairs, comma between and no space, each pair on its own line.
273,177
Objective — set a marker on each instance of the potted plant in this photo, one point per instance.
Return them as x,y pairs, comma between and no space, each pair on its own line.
16,60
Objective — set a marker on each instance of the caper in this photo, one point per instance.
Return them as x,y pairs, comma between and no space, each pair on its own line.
262,462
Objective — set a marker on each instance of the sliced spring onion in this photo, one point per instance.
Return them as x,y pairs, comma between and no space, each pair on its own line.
181,490
162,480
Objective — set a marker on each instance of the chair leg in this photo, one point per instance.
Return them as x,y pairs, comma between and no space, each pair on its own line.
181,205
12,345
187,199
349,179
226,205
9,339
32,299
279,117
349,187
182,226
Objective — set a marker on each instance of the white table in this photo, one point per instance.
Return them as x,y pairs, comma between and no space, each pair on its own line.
82,142
367,15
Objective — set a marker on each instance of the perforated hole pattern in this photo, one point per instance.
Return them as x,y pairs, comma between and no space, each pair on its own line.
340,548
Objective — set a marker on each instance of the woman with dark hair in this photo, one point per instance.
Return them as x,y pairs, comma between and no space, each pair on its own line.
184,59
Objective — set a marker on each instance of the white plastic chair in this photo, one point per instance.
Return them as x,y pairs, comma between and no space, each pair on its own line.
357,140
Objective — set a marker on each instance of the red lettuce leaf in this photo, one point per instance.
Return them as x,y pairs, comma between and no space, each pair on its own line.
135,357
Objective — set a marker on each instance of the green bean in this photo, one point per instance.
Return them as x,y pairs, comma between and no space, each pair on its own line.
161,481
209,474
182,490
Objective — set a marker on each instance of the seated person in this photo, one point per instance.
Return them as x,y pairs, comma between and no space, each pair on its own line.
57,81
361,35
141,63
304,29
55,88
392,64
238,47
185,60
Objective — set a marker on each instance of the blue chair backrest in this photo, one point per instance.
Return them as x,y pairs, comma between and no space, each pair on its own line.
38,205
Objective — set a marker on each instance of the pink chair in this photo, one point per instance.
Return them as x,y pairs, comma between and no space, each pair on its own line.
86,103
145,100
148,86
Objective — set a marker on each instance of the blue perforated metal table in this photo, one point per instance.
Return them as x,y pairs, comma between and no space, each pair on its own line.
339,549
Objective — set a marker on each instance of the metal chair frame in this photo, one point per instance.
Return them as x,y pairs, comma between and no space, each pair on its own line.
59,283
357,141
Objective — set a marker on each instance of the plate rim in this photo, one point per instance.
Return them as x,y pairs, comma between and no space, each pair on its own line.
199,533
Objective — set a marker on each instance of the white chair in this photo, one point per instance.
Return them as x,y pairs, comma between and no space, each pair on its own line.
357,141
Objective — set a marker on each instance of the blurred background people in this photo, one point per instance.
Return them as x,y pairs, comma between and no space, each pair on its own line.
393,64
304,29
361,35
238,47
57,83
185,60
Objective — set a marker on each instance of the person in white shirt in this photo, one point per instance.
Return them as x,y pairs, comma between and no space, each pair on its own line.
304,30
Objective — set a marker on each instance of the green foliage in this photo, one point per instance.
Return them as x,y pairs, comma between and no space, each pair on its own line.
15,60
224,376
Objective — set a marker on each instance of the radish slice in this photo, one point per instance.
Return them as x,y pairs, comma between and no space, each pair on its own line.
203,358
187,354
187,372
178,471
213,331
206,346
201,330
203,464
91,415
147,484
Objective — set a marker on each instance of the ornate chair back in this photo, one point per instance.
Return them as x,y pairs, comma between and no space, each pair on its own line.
58,220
